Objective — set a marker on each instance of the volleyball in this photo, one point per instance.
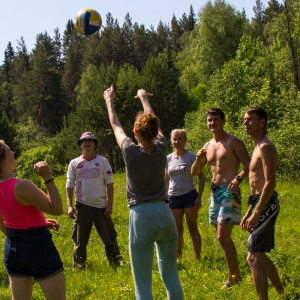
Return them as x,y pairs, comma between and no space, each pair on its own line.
88,21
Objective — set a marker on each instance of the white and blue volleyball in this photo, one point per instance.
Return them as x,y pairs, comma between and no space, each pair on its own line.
88,21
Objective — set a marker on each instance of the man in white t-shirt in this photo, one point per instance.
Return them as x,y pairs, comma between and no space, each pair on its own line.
90,175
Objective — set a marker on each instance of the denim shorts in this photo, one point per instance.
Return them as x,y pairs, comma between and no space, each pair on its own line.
31,253
183,201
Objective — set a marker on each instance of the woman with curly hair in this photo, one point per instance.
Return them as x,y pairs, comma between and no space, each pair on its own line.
151,222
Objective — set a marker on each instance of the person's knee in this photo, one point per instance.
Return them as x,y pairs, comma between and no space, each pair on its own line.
222,238
251,259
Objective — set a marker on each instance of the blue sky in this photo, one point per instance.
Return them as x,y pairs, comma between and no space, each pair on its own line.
28,18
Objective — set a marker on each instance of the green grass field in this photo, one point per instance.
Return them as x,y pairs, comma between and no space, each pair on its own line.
200,280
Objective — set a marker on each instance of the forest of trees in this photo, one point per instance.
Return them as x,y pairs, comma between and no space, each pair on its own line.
212,58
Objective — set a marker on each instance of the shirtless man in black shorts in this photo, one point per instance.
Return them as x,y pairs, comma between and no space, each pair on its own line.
263,204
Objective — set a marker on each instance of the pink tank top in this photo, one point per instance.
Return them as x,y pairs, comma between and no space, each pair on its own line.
14,214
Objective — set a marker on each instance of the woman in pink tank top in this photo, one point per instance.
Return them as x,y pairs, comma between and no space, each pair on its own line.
29,252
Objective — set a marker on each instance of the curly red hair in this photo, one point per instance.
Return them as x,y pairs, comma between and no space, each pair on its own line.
147,125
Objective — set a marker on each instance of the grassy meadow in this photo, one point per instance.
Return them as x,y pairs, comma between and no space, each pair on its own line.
200,280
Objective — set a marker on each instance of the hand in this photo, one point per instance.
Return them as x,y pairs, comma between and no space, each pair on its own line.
244,219
233,186
71,212
109,94
198,204
108,211
142,93
243,222
52,224
201,153
251,222
43,170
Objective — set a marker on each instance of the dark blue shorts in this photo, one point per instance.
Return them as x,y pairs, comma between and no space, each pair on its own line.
31,253
183,201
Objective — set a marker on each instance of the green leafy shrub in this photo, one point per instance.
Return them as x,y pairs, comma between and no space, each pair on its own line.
28,158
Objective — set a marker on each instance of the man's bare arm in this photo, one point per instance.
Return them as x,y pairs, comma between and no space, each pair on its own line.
268,156
201,184
242,154
71,211
200,161
110,199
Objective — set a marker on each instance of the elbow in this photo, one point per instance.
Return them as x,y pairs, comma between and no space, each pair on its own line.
194,172
57,212
270,185
60,212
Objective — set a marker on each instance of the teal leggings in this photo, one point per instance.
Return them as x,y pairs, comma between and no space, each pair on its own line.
152,223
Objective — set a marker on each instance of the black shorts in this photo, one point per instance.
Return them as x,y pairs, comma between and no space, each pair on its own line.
261,239
183,201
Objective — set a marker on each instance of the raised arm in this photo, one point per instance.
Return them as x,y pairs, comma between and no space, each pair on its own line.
109,95
200,161
143,96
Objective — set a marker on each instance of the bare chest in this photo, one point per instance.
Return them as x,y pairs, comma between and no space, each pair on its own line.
218,152
255,165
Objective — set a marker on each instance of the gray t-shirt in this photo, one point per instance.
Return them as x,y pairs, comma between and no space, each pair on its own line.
144,171
179,170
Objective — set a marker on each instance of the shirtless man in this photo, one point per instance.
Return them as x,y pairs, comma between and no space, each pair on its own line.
224,153
263,204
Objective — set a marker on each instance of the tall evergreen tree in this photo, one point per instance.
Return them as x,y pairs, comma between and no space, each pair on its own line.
259,20
6,80
58,50
9,55
175,34
141,50
105,48
127,34
163,40
87,48
22,61
67,35
161,77
191,20
72,71
38,92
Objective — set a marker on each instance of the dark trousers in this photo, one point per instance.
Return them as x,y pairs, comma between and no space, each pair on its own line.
86,216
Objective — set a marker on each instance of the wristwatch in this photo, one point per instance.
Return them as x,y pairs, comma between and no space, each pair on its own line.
239,178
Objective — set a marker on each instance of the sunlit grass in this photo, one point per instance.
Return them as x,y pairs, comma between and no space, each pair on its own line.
200,280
